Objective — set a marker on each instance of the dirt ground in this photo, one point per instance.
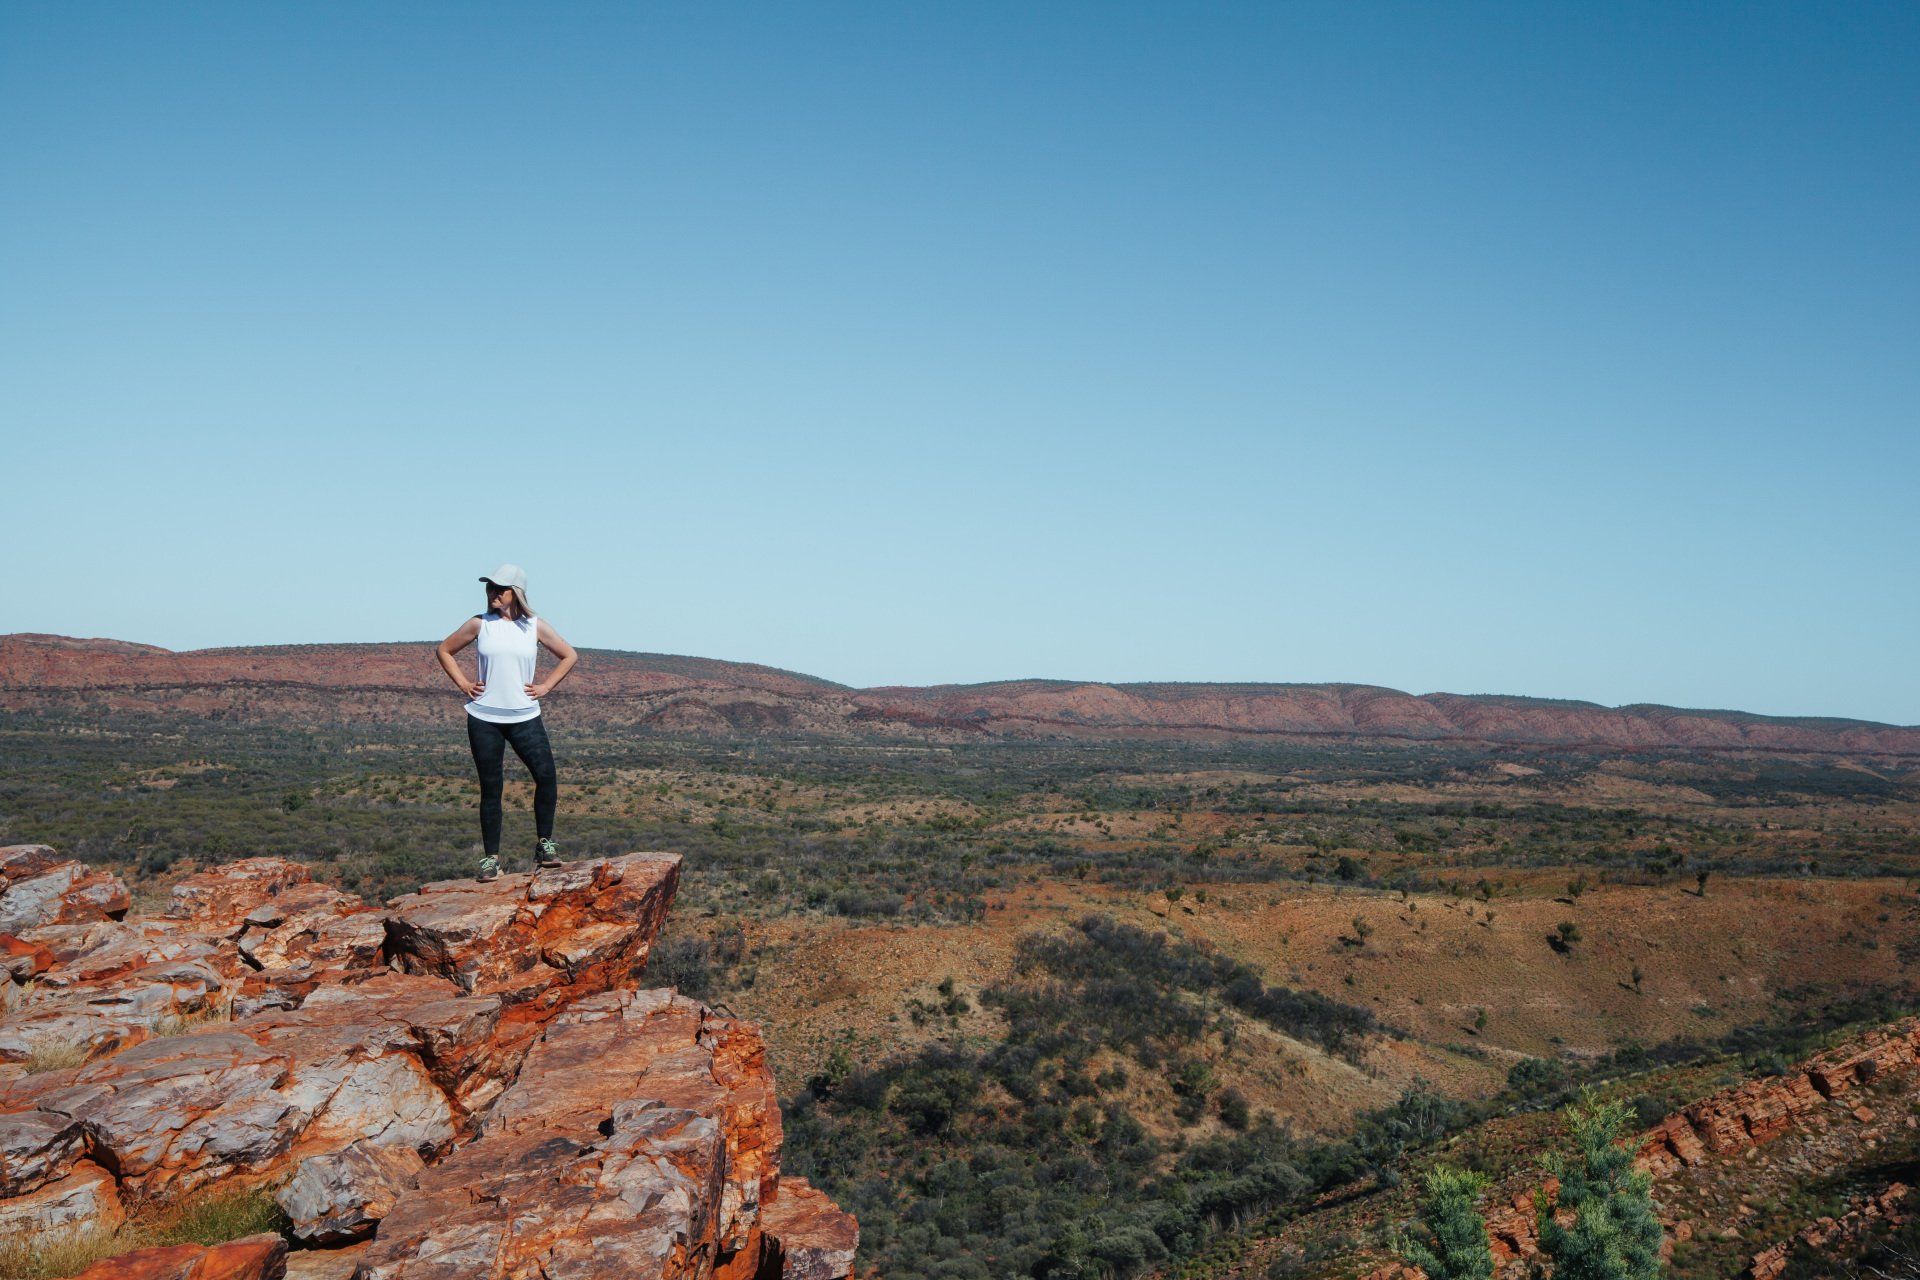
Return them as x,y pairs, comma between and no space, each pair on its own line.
1474,985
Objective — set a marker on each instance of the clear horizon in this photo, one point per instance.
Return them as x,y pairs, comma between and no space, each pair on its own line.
1514,349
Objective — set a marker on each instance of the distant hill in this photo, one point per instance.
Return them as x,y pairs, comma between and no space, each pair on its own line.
401,683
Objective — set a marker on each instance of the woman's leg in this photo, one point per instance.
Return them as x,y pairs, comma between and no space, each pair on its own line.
529,739
489,746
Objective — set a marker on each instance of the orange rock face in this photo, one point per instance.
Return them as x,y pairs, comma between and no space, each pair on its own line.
630,1100
811,1238
470,1074
38,886
1758,1111
253,1258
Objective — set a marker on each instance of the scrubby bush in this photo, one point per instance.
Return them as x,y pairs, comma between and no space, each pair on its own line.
1615,1234
1449,1242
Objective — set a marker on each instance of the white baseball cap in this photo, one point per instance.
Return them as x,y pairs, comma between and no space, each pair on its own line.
511,575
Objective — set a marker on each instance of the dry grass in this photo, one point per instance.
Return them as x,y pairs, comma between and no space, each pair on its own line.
209,1218
44,1256
56,1055
177,1024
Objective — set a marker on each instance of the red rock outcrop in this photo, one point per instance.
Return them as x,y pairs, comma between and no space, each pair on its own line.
810,1237
1513,1229
39,887
225,895
1758,1111
467,1071
262,1257
343,1195
631,1101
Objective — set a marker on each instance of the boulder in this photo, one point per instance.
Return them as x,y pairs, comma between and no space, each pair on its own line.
315,924
809,1237
36,1147
88,955
21,960
84,1196
340,1197
225,895
639,1139
39,887
384,1062
585,925
174,1113
261,1257
108,985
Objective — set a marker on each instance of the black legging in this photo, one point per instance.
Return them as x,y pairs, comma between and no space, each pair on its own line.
529,738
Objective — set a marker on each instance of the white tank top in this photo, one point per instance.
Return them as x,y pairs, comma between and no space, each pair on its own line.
509,651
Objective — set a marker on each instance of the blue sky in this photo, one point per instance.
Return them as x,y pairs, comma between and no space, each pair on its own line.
1567,350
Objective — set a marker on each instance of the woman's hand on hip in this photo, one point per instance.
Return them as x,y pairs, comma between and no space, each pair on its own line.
538,691
473,689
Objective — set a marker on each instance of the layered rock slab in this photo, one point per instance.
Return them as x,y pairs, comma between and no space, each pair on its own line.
339,1197
38,886
261,1257
640,1140
387,1061
583,924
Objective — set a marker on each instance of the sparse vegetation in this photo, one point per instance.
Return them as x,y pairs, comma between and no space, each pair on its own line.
205,1218
180,1023
1105,1101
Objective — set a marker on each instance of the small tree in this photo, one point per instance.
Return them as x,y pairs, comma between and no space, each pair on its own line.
1614,1235
1450,1240
1700,879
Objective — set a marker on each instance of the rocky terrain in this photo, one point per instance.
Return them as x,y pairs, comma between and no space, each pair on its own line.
466,1082
402,683
1728,1168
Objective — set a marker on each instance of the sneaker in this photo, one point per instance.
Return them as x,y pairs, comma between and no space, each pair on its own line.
546,853
489,869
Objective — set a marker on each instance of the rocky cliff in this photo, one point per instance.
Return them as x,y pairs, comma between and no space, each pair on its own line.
401,683
466,1082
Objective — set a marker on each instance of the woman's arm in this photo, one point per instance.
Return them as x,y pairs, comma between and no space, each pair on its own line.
469,631
561,650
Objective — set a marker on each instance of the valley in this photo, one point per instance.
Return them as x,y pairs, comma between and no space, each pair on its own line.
1094,1002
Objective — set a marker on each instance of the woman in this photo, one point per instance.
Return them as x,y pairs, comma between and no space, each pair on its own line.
503,707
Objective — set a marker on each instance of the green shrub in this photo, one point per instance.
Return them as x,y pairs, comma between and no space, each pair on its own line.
1615,1234
1449,1242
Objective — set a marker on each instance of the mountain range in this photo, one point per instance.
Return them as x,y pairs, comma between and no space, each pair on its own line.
402,683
